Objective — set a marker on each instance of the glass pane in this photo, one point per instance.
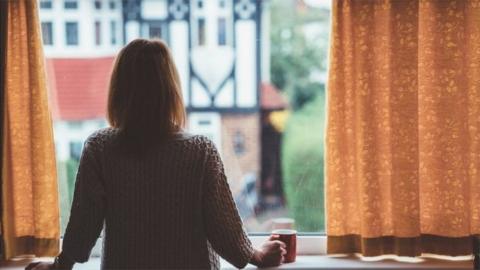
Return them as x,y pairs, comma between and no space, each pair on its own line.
113,32
259,96
222,29
46,4
47,33
98,4
155,31
71,4
98,33
71,29
112,4
201,31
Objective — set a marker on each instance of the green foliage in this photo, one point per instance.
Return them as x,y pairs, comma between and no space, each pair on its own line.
302,158
299,42
66,172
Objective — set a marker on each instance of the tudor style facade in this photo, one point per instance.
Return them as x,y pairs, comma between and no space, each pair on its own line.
216,47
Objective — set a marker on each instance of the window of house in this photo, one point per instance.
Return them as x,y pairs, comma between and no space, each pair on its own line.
112,5
201,31
258,96
47,33
221,3
76,150
71,33
46,4
71,4
222,31
113,32
98,4
98,33
155,31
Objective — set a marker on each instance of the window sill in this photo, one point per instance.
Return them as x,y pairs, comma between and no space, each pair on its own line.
311,250
303,262
353,262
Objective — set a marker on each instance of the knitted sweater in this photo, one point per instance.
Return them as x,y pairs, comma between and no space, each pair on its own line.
169,209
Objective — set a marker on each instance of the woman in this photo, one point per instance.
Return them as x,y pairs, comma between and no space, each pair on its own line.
161,194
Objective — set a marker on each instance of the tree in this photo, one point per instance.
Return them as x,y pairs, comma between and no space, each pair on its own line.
299,42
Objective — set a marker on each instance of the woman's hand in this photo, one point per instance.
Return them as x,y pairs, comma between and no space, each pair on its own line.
40,266
270,254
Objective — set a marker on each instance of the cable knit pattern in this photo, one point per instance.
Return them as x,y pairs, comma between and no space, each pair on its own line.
171,209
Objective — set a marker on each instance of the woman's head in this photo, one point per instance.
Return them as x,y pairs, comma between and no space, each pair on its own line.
145,101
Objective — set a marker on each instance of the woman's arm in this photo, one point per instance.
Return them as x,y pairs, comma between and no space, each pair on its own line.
223,224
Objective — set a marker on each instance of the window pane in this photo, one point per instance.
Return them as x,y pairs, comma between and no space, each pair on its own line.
260,97
155,31
112,4
113,32
46,4
47,33
71,29
201,31
71,4
221,3
98,33
222,35
98,4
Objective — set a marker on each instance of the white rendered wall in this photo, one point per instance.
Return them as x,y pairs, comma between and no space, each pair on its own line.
64,134
85,15
179,46
246,65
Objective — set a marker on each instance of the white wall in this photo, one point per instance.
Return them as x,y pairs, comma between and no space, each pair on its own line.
85,15
65,133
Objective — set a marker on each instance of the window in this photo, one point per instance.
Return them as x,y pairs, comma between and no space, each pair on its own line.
46,4
201,31
113,32
76,150
155,31
71,4
222,28
98,4
47,33
269,131
112,5
98,33
71,33
221,3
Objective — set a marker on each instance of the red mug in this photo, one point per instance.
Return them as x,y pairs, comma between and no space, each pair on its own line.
289,237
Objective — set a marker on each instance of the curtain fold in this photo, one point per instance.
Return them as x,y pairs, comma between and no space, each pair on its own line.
3,43
403,127
30,214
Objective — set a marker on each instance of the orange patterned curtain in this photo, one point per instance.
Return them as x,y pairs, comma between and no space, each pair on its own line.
30,218
403,135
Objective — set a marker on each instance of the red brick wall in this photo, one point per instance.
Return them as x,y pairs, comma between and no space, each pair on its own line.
237,165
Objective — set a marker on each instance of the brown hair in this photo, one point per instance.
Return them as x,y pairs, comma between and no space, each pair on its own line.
145,98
